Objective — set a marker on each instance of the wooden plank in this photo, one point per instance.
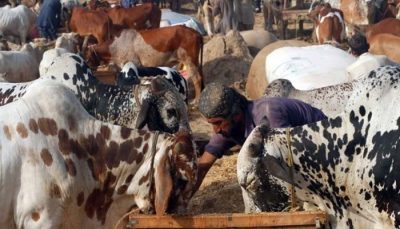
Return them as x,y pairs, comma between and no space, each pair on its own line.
229,220
295,15
105,76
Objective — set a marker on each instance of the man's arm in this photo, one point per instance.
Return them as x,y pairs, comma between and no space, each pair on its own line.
204,164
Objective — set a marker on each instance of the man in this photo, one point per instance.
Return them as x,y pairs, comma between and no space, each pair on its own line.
257,6
48,20
366,61
233,118
244,13
225,10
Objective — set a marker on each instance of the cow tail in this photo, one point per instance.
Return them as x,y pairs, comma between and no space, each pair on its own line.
201,61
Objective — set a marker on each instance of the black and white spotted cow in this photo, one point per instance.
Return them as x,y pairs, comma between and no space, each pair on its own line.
131,75
331,100
346,165
157,103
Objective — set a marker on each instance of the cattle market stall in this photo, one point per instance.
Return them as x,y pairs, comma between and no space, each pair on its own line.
300,219
293,11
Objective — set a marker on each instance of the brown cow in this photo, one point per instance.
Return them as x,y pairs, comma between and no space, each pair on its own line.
91,22
166,46
386,44
329,23
388,25
139,17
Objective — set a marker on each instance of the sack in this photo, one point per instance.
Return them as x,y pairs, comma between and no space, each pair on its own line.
309,67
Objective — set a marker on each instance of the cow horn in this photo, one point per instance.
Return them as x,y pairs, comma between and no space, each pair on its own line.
163,185
142,116
85,43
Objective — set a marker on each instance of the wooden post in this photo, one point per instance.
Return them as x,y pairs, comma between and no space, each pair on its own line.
236,220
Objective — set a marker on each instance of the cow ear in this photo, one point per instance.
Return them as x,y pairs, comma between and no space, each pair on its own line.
158,86
264,126
142,116
163,186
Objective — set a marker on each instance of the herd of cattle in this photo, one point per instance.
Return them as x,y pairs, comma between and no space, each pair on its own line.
75,152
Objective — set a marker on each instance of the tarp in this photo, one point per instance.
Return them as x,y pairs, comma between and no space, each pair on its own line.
170,18
309,67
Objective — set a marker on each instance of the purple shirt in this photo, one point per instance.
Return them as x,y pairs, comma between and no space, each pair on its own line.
281,112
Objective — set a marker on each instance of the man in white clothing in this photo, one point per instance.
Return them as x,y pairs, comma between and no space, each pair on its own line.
366,61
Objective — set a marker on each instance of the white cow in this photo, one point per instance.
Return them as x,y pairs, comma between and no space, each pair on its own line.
22,65
257,39
66,43
16,21
61,168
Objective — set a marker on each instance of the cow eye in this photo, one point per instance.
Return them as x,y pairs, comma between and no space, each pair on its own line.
171,113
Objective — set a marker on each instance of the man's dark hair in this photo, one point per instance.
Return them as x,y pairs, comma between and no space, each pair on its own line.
217,100
358,44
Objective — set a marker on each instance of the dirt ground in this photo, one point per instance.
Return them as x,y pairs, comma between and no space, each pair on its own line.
220,191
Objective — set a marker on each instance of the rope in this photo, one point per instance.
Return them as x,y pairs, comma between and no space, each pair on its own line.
291,170
153,155
136,89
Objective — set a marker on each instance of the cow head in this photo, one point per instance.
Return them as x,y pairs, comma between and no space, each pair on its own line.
163,109
69,41
91,56
279,88
128,76
260,190
175,180
205,14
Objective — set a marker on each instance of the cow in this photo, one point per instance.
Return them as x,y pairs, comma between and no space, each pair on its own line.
22,65
48,58
272,12
63,168
16,21
257,39
166,46
331,100
344,165
91,22
257,79
389,25
227,18
156,105
4,45
329,23
139,17
130,75
395,8
67,42
386,44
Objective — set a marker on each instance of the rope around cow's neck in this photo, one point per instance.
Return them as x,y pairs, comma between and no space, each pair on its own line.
291,170
153,155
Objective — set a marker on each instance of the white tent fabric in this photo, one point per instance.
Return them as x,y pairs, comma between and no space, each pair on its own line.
169,18
309,67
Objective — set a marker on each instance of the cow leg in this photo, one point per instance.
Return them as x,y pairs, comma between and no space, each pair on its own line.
268,15
197,79
22,37
38,204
